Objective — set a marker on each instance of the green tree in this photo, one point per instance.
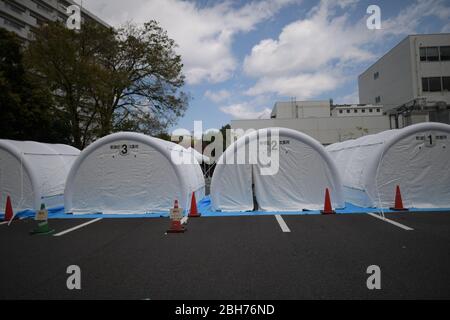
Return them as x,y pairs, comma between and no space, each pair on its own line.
26,109
108,80
141,80
65,61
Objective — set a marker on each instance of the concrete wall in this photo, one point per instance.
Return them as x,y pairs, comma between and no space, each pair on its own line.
326,130
401,71
394,85
301,109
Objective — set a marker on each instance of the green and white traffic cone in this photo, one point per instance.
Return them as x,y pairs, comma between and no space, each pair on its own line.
42,219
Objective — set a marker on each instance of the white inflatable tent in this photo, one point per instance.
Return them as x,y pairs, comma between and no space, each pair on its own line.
305,170
32,173
132,173
416,158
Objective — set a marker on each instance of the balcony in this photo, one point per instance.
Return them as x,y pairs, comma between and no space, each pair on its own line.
16,14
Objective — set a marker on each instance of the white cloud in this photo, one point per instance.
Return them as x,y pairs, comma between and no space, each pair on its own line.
298,63
245,111
446,28
204,34
410,18
217,96
352,98
302,87
314,55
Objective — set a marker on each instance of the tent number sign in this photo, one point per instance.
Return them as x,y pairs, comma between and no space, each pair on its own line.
428,139
124,149
431,139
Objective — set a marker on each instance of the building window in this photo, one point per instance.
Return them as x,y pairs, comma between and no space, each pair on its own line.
12,23
348,110
425,87
446,83
355,111
15,7
40,20
423,54
445,53
432,84
377,99
340,111
378,109
363,110
435,84
370,110
42,6
433,54
429,54
376,75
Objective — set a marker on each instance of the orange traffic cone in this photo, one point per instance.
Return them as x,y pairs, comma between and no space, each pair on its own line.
8,210
327,209
175,220
193,213
398,206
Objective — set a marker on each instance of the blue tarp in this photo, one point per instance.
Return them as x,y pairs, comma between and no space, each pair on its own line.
204,206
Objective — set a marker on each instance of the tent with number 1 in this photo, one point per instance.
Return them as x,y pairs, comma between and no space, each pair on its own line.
415,158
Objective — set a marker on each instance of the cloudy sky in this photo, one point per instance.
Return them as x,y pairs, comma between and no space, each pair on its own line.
242,56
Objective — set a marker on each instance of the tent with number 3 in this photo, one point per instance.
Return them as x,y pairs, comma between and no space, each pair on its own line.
132,173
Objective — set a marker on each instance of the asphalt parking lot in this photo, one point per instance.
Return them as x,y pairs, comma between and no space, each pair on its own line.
250,257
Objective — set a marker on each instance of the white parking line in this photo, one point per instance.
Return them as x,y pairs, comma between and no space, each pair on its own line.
282,224
76,227
390,221
184,220
3,222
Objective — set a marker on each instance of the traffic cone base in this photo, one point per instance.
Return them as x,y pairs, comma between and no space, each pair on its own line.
176,227
193,213
398,206
398,209
182,230
327,209
42,228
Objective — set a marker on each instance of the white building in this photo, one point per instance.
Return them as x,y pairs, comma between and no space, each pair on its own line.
321,120
23,16
411,81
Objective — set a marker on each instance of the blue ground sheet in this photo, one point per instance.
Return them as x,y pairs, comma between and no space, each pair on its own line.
204,207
